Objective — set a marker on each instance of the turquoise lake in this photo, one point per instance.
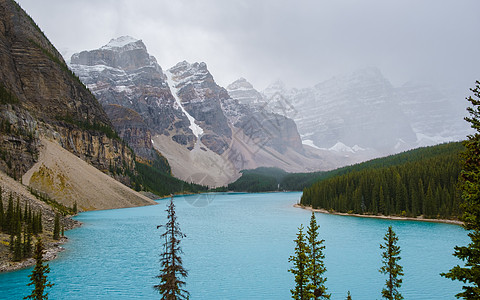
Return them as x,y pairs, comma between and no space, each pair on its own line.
237,247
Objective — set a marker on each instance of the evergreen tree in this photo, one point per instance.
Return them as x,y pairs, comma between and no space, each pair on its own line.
39,223
38,278
301,268
316,257
9,217
27,242
470,186
75,209
18,247
56,227
391,268
172,271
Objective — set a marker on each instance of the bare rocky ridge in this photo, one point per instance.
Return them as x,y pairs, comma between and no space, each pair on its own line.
47,99
195,123
123,73
45,107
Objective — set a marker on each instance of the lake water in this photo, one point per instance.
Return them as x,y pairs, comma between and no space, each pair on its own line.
237,247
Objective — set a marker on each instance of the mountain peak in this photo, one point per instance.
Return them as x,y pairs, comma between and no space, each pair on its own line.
122,42
240,83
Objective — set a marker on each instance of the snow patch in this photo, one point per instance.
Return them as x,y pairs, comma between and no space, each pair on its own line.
120,42
357,148
194,127
311,144
341,147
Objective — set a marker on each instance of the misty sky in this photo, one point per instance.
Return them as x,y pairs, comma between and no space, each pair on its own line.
301,42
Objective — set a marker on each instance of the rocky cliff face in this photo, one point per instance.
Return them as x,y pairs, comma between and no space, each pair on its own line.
41,97
194,122
123,73
132,129
247,111
201,99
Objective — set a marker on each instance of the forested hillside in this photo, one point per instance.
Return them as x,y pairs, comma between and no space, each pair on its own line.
417,182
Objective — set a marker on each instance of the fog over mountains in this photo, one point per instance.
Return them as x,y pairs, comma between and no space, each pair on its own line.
209,133
206,135
363,111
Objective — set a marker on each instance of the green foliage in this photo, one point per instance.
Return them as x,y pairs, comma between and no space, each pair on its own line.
172,270
38,278
155,180
316,257
7,97
391,268
56,227
20,225
301,267
258,180
469,274
254,183
308,267
64,210
417,182
95,126
299,181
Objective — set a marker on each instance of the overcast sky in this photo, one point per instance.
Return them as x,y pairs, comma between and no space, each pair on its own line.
301,42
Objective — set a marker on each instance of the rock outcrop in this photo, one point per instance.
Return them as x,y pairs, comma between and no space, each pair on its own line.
41,98
123,73
206,135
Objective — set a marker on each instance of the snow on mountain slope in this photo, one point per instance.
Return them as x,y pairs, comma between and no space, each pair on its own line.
364,109
193,122
194,127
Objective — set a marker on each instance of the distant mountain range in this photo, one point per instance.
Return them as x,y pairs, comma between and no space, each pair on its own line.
209,133
364,111
206,134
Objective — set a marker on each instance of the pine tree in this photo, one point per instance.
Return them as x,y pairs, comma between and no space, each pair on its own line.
301,268
39,223
74,208
315,256
38,278
172,270
9,216
390,258
470,186
17,248
56,227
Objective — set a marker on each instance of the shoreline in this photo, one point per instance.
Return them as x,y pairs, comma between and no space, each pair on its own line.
50,252
396,218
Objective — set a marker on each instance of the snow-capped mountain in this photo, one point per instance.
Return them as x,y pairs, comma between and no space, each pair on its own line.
364,111
206,135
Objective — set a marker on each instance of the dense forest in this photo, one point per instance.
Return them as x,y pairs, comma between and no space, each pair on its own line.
265,179
258,180
417,182
153,177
